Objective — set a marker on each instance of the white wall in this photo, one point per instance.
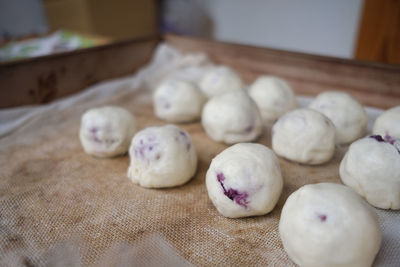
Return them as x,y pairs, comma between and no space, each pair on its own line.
326,27
19,18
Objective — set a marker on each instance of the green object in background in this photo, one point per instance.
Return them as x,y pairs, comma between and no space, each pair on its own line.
57,42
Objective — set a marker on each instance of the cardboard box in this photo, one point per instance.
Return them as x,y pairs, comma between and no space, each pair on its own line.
118,19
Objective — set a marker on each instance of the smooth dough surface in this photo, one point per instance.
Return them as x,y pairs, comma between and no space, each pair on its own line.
304,136
244,180
371,167
346,113
231,118
107,131
388,123
329,225
219,80
178,101
273,96
162,156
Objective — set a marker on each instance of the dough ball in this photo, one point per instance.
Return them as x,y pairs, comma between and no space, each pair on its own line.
348,116
162,156
371,167
107,131
273,96
219,80
388,123
231,118
244,180
178,101
329,225
304,136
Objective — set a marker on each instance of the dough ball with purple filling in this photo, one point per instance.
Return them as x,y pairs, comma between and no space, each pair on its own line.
304,136
388,123
371,167
231,118
327,225
219,80
107,131
178,101
244,180
162,156
346,113
273,96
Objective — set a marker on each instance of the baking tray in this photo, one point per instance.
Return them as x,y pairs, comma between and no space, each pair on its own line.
60,205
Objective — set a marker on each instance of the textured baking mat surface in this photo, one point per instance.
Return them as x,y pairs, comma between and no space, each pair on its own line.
60,206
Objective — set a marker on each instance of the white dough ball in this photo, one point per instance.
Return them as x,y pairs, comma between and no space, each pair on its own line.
231,118
304,136
371,167
178,101
219,80
388,123
346,113
107,131
273,96
162,156
329,225
244,180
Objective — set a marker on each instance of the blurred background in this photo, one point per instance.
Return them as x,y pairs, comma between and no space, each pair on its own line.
360,29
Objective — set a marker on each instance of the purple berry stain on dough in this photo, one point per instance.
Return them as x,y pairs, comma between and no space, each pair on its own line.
322,217
249,129
185,138
239,197
387,139
93,132
144,148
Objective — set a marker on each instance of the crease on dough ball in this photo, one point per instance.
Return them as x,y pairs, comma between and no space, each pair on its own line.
219,80
328,224
345,112
304,136
244,180
162,156
178,101
273,96
107,131
371,167
388,123
231,118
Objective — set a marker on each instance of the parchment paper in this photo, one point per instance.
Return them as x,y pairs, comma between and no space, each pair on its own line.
62,207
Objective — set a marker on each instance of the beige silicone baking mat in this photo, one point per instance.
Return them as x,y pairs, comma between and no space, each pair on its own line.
62,207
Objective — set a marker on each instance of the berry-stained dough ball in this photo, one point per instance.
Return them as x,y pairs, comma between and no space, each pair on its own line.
107,131
273,96
244,180
162,156
304,136
371,167
348,116
219,80
388,123
329,225
231,118
178,101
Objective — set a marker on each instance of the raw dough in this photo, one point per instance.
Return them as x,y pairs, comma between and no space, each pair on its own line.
273,96
162,156
371,167
305,136
107,131
348,116
231,118
219,80
178,101
329,225
244,180
388,123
